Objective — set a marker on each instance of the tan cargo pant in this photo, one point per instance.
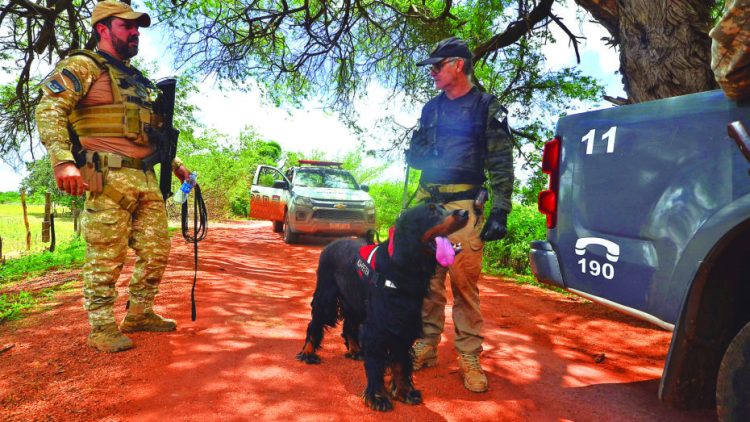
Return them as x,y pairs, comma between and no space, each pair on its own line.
464,278
109,229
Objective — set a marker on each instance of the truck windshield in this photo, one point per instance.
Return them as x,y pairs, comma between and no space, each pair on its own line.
325,178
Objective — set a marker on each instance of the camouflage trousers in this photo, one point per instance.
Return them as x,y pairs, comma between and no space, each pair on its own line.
464,281
109,230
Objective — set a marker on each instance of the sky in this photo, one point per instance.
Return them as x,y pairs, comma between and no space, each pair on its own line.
312,128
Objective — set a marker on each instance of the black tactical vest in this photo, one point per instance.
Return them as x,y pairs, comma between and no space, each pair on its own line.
450,146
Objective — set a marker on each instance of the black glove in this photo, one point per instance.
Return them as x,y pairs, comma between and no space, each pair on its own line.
496,226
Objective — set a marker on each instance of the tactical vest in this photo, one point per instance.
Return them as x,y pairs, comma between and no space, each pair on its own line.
452,149
129,116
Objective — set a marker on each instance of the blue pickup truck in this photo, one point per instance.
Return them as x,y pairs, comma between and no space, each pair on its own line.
648,212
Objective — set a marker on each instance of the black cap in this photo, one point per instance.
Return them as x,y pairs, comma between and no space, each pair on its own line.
449,47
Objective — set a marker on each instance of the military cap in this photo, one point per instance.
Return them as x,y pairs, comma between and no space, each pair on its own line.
449,47
118,9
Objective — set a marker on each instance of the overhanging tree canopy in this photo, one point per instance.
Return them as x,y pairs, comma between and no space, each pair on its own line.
295,49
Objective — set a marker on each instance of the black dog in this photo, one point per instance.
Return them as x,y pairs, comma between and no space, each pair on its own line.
386,302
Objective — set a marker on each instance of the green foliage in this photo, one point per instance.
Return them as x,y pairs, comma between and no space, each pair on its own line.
387,197
12,305
528,193
525,224
10,197
65,256
225,169
337,51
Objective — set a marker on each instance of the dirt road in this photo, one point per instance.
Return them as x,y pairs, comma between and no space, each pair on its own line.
236,362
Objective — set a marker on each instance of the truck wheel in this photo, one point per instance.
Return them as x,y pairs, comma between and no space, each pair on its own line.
289,236
278,226
733,382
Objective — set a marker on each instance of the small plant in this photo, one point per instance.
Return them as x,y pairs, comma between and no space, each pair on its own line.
12,305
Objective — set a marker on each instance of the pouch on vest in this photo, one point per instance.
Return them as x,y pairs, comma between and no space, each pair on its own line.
423,148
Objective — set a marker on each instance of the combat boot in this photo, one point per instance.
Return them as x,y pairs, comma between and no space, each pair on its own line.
425,355
474,378
107,338
141,317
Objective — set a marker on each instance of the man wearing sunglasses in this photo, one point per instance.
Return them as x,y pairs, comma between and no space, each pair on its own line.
463,132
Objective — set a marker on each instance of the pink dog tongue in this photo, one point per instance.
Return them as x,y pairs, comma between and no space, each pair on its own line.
444,252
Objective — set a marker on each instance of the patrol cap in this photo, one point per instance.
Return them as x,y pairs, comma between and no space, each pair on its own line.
118,9
449,47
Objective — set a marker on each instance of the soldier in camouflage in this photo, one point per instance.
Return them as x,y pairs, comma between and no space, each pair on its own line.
730,51
462,132
98,102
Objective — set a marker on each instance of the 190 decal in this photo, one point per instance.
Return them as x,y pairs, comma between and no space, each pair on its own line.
596,269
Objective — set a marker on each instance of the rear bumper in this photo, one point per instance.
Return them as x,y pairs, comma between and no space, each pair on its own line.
544,263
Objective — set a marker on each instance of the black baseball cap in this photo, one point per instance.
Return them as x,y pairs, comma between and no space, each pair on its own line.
449,47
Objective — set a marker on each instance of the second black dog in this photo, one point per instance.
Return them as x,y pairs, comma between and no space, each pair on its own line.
383,297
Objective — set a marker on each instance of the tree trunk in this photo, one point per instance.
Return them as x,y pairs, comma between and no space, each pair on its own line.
664,45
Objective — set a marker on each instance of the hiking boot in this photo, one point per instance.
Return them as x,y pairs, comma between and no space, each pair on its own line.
107,338
141,317
425,355
474,378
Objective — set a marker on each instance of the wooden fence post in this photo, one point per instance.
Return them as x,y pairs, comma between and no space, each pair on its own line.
47,214
26,219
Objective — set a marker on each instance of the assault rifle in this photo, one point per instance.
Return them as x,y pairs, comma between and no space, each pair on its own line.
165,137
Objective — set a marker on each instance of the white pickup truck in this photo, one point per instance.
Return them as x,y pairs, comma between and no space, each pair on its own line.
316,198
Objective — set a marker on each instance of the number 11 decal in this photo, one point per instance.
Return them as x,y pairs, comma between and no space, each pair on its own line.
608,135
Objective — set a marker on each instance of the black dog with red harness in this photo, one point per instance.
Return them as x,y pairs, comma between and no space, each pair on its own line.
378,291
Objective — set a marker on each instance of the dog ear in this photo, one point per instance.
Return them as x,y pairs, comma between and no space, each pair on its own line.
405,241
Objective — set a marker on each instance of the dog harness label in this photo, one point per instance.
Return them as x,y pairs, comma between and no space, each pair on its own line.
365,267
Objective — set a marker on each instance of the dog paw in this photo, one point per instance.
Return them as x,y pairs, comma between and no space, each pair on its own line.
378,402
409,397
355,356
412,397
308,358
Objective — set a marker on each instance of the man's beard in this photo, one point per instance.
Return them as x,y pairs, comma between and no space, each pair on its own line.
124,50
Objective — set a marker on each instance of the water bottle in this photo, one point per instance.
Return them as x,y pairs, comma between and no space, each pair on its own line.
181,195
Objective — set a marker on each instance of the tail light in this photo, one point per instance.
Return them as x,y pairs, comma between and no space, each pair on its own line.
551,166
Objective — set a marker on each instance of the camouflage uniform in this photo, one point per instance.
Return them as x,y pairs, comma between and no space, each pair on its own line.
460,169
730,51
136,218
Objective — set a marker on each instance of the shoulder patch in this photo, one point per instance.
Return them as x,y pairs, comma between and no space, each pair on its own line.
72,77
55,86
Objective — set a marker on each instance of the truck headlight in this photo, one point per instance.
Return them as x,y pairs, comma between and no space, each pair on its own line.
369,204
302,200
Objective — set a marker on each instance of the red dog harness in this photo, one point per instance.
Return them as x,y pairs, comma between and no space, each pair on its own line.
366,265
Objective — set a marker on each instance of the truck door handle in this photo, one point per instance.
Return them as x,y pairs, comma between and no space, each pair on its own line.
738,132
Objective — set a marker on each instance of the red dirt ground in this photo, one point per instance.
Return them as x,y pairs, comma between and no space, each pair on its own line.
236,362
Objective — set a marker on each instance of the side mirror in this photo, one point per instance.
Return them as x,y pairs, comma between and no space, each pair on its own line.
281,184
364,188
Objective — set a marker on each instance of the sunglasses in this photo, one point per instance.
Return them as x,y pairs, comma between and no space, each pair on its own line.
437,67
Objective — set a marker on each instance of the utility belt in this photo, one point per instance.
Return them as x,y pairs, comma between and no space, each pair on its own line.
96,165
449,193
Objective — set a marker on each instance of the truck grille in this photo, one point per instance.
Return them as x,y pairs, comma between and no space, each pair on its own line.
349,215
322,203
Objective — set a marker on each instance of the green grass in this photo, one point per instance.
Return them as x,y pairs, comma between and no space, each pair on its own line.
13,230
66,256
13,305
